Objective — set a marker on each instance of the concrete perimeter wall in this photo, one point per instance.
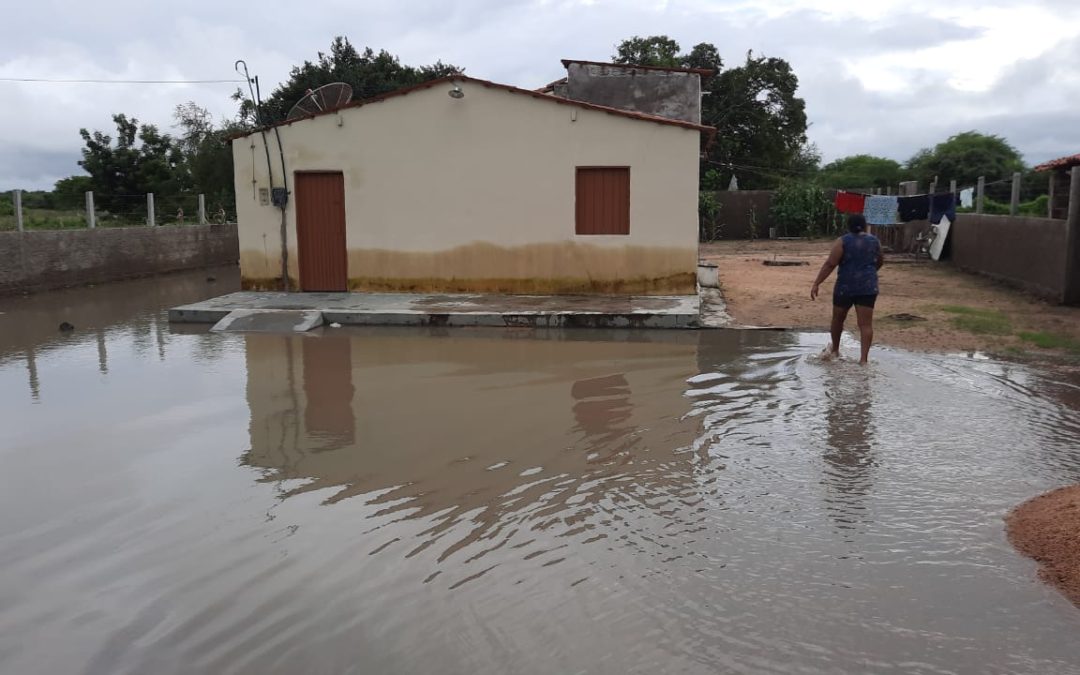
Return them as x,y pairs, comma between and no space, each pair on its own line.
44,259
1030,253
743,214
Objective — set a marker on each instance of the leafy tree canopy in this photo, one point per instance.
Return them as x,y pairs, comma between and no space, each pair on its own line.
139,160
367,72
655,50
861,171
964,157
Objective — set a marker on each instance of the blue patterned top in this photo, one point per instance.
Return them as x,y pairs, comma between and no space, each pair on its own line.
857,274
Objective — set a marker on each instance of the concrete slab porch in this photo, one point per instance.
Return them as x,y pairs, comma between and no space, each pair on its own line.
403,309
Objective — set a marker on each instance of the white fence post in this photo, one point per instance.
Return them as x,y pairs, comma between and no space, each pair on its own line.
16,198
202,209
91,222
150,209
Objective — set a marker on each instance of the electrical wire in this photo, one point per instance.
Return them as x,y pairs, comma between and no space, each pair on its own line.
101,81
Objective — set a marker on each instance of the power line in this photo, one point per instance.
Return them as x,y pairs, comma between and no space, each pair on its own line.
100,81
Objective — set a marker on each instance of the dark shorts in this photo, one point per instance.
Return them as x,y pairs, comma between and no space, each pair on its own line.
846,301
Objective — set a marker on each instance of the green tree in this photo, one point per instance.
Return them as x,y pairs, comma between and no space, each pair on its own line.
141,160
760,121
70,192
367,72
703,55
964,157
655,50
207,153
861,171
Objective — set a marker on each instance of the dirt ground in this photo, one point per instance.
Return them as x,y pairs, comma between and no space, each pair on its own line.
923,305
1047,529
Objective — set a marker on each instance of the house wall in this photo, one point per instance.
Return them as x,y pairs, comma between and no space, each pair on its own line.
655,92
39,260
477,194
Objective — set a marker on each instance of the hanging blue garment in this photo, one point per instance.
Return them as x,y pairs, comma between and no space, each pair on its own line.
880,210
942,204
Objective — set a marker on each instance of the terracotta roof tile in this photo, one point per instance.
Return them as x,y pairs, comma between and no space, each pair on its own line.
1059,163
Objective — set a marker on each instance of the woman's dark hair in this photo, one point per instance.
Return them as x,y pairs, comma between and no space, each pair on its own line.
856,223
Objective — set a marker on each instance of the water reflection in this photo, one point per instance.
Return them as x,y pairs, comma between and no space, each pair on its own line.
486,430
849,457
135,309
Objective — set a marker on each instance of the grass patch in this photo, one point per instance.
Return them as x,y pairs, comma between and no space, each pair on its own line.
979,321
1046,340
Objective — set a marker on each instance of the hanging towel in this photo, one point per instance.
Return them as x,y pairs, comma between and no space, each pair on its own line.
916,207
942,204
880,210
849,202
967,198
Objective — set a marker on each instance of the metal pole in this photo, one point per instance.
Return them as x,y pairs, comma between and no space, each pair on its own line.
150,209
1014,202
16,197
202,209
952,186
90,220
980,192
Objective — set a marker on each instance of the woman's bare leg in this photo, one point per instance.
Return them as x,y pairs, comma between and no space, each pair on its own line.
865,316
839,316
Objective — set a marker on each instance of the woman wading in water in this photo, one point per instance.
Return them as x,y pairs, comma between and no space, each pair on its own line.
858,255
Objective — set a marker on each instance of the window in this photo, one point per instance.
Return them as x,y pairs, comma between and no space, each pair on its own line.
602,205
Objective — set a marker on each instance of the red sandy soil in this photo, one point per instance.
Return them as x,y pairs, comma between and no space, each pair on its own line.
1047,529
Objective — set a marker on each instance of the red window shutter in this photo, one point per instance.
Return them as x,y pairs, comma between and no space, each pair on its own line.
602,204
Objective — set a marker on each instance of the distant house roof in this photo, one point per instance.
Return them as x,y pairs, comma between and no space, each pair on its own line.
494,85
704,72
550,86
1059,163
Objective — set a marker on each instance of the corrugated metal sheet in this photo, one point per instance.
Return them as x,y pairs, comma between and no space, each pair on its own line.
320,231
602,205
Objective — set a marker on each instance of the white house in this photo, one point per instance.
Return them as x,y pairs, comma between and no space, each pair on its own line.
464,185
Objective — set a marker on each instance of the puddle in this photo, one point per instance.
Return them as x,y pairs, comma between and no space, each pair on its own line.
387,500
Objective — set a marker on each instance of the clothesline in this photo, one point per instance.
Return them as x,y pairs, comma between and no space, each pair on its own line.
888,210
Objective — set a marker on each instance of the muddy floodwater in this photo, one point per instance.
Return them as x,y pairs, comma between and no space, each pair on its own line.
511,501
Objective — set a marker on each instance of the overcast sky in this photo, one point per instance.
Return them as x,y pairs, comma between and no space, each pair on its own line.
884,77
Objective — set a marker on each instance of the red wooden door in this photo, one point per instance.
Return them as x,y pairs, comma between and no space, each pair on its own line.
320,231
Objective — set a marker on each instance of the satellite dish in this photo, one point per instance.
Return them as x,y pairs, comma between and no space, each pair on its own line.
326,97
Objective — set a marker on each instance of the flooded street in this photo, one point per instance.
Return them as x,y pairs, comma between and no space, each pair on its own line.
511,501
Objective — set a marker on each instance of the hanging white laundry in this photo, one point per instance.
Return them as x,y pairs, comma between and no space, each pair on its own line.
967,198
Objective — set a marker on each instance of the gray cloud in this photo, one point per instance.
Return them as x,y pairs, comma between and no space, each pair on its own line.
518,42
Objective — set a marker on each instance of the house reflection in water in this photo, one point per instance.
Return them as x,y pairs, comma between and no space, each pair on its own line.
489,420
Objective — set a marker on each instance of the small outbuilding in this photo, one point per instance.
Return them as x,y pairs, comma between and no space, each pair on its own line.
1059,170
465,185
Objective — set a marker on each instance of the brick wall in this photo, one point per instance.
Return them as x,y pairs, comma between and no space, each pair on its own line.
43,259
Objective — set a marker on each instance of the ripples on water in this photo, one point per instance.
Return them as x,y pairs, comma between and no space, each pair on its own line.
471,501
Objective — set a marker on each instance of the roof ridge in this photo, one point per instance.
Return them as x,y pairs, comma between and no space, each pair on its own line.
704,72
645,117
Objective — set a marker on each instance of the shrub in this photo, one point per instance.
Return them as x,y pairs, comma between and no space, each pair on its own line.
800,208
